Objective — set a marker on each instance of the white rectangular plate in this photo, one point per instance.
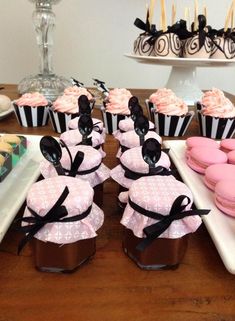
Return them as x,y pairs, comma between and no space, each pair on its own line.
14,188
221,227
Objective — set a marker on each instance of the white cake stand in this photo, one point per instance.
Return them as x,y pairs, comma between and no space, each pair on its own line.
183,77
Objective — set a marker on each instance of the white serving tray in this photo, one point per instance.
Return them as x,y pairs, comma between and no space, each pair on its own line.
4,114
14,188
220,226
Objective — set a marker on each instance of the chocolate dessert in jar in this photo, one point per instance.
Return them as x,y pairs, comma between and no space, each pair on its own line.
83,162
133,166
158,220
85,134
61,220
136,137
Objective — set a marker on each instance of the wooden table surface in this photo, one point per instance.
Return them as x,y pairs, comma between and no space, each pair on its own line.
111,287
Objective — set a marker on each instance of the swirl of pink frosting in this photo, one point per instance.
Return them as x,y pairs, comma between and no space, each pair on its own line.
34,99
117,101
215,104
66,104
77,91
167,103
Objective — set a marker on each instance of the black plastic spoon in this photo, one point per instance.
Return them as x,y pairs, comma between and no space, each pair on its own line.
85,127
141,126
52,152
151,152
84,105
132,102
136,111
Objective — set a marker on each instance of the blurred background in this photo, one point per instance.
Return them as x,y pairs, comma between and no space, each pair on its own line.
90,40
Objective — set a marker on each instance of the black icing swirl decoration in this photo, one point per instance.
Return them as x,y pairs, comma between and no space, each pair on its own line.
136,45
229,48
167,44
143,47
224,46
217,45
192,46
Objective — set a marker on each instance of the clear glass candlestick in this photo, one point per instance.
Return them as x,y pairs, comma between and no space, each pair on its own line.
46,82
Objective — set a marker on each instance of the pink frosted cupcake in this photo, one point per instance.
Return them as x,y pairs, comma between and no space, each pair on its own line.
65,107
216,115
116,108
169,113
31,110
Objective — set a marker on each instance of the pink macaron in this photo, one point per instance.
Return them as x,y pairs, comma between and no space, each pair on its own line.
198,141
218,172
227,145
199,158
225,196
231,157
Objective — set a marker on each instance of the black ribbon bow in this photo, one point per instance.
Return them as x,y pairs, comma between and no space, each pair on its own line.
177,212
56,214
159,170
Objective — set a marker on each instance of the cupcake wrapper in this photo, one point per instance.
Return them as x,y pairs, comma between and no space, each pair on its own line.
111,121
214,127
28,116
150,109
60,121
172,125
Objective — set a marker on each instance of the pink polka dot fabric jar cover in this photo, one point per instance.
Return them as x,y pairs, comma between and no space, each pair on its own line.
130,139
158,211
60,211
73,138
132,166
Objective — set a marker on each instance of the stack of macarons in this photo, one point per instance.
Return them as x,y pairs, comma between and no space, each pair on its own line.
216,160
202,152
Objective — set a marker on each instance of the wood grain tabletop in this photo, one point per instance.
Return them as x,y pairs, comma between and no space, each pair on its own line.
111,287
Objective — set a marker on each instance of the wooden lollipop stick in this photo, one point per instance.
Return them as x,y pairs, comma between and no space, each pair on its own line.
173,14
195,15
151,11
205,12
228,17
163,16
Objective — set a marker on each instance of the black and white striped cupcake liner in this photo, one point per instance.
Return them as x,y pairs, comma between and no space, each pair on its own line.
28,116
172,126
60,121
111,121
215,127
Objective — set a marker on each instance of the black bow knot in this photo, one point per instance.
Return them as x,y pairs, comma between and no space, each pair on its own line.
177,212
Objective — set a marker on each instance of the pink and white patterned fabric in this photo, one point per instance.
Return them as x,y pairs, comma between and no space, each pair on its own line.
130,139
73,137
133,160
73,124
127,124
92,158
123,197
157,194
44,194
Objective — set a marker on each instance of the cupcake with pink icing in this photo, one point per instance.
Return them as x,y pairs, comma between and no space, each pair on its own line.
169,113
31,110
216,115
116,108
65,107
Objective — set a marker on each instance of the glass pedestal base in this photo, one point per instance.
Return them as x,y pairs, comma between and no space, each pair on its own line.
51,86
